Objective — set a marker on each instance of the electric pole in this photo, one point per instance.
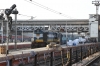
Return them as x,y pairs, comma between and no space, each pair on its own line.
15,12
96,3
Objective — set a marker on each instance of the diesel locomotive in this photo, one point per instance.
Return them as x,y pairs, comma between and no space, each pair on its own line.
43,37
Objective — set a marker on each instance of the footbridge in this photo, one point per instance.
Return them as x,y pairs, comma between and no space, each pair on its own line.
68,25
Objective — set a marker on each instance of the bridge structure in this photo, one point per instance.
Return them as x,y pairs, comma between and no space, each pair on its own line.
26,27
69,25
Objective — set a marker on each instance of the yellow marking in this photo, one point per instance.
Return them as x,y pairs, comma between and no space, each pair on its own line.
68,55
39,40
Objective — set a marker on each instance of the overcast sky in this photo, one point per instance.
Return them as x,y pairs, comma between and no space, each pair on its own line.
52,9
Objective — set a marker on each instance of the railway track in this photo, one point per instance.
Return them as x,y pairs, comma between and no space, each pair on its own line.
94,62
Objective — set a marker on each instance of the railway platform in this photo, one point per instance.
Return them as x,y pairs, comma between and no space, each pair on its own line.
68,56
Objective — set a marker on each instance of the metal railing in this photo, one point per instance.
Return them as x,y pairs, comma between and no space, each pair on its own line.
65,57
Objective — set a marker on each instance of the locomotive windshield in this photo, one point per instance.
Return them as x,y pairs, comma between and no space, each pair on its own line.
50,36
38,31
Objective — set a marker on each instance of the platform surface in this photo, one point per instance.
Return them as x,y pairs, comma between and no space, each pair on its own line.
26,52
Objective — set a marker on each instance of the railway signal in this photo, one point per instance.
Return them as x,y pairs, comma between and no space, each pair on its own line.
8,12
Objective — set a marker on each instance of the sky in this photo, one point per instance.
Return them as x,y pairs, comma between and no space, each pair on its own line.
51,9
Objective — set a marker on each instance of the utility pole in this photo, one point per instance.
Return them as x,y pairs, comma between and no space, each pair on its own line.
15,12
7,34
66,33
2,31
15,31
96,3
22,32
2,19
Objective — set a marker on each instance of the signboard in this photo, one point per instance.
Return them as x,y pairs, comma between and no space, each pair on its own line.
94,29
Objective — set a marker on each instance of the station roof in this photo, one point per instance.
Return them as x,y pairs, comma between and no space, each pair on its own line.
54,21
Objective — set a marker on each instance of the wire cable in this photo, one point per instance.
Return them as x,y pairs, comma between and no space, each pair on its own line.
47,8
25,15
28,16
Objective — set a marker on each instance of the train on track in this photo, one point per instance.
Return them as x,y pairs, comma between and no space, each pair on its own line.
43,37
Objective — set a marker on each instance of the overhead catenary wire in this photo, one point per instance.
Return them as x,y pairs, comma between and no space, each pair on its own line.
27,16
47,8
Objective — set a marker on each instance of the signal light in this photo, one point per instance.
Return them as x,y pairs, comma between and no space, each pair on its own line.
15,12
9,11
12,7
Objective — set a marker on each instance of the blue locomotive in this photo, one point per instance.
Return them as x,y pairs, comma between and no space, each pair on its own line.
44,37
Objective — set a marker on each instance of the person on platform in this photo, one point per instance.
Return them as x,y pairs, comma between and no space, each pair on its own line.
75,42
70,43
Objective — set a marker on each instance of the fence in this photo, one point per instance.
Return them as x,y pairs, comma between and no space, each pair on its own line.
65,57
